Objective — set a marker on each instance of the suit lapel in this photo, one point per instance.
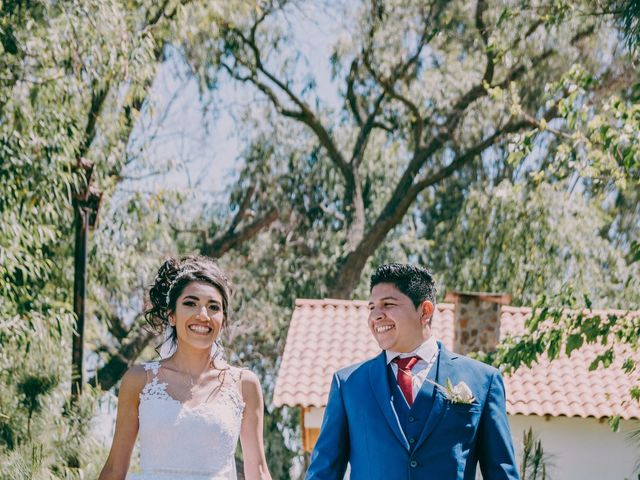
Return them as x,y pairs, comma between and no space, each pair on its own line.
445,370
382,394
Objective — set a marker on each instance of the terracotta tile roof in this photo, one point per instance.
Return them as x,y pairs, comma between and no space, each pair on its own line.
326,335
566,386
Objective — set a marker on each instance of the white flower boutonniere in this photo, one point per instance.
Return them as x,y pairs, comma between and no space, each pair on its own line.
460,393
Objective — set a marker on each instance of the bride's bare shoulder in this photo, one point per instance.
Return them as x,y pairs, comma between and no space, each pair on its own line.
248,376
134,380
250,384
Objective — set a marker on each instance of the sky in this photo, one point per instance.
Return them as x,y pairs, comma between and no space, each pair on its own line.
178,136
197,146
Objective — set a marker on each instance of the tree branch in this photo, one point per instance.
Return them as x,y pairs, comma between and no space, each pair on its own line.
477,91
351,98
395,209
399,72
474,93
117,364
417,120
114,324
304,114
243,208
406,191
481,7
365,132
98,97
469,154
232,239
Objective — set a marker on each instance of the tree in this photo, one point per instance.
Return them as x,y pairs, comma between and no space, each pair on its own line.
605,161
428,86
439,106
73,79
53,89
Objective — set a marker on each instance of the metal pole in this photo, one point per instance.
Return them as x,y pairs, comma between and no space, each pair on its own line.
79,294
86,203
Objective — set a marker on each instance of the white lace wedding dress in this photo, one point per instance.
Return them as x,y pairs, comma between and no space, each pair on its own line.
179,442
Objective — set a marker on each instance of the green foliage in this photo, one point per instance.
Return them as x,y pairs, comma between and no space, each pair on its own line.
74,81
614,423
534,462
529,241
71,74
31,389
627,14
61,442
40,436
601,141
562,324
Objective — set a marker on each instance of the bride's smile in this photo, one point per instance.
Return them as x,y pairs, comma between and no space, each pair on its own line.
199,315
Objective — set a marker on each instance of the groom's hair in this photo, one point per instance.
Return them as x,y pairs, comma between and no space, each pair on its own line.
415,282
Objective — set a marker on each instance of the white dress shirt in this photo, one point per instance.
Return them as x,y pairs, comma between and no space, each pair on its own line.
427,354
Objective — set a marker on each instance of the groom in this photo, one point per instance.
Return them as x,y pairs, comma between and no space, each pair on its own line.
416,411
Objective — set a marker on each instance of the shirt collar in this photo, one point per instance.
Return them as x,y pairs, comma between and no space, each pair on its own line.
426,351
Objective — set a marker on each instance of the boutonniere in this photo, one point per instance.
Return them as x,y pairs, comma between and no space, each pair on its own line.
460,393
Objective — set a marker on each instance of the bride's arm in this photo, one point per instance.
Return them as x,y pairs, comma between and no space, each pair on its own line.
255,463
124,438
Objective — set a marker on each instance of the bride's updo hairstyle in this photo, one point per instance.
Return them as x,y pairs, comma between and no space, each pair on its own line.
173,276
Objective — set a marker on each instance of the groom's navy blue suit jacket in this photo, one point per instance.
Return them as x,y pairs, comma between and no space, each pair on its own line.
361,427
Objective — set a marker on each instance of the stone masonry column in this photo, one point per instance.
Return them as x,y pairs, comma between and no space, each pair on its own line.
476,325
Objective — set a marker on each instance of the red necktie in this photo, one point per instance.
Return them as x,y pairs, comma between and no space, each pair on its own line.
404,376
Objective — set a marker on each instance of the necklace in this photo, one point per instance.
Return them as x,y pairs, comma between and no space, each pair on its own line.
191,384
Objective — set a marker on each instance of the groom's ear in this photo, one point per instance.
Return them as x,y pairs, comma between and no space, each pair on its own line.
426,311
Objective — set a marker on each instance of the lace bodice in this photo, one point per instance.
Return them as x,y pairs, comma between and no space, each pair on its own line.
182,442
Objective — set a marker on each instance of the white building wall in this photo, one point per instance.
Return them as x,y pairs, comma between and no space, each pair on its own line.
313,417
581,448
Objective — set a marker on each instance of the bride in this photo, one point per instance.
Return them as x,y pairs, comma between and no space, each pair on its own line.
191,407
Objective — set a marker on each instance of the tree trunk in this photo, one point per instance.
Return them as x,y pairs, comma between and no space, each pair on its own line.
356,228
111,373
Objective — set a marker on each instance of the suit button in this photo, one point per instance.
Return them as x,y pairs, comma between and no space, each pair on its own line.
413,464
411,419
412,440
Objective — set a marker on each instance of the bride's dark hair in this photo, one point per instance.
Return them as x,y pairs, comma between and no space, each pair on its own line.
173,276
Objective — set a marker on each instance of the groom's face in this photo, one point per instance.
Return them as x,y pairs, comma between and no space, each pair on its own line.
395,322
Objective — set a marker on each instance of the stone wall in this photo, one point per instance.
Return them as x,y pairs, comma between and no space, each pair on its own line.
476,321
